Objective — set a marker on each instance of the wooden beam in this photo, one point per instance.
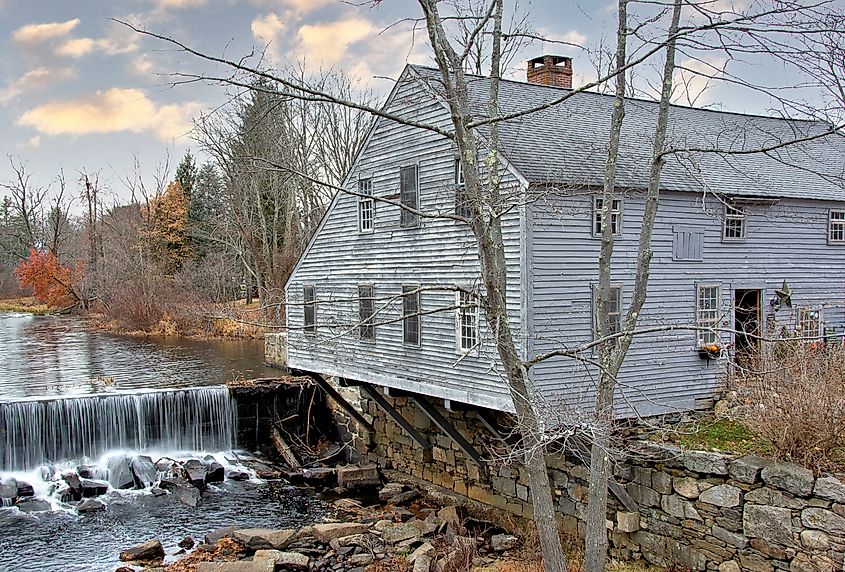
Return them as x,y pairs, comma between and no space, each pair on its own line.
338,398
618,490
374,394
447,428
488,419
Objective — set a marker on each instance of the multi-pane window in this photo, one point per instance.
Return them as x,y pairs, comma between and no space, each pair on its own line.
409,196
462,207
366,205
467,321
735,227
836,226
366,309
809,325
614,312
708,314
309,300
615,216
411,315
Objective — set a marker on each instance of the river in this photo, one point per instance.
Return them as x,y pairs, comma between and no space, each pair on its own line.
71,396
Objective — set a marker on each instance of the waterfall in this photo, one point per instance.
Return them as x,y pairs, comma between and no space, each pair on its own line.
33,433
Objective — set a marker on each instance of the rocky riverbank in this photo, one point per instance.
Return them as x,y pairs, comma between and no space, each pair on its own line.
403,531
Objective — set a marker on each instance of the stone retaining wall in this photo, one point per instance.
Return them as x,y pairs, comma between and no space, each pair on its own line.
276,349
698,510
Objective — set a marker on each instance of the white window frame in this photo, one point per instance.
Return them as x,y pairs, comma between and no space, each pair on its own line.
617,207
309,328
836,223
366,324
366,206
737,214
615,290
467,307
461,207
707,326
406,318
802,321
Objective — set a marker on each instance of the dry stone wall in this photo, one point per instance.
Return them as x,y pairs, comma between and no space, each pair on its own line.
697,510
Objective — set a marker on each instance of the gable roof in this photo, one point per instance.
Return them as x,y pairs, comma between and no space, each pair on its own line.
566,144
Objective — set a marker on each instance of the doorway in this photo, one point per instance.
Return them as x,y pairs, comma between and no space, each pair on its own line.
747,319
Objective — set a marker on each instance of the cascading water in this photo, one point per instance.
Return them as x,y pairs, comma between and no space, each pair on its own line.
34,433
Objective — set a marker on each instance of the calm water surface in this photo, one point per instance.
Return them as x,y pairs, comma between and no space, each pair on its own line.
57,356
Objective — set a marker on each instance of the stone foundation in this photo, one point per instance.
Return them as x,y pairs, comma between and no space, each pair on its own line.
276,349
698,510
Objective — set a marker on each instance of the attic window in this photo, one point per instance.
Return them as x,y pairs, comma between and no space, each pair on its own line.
615,216
735,227
836,227
366,205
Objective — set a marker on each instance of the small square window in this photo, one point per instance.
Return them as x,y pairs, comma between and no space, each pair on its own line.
366,310
836,226
409,196
615,216
809,324
708,314
467,321
411,315
614,312
309,300
366,206
735,227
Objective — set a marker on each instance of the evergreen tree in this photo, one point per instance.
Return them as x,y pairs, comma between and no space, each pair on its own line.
186,174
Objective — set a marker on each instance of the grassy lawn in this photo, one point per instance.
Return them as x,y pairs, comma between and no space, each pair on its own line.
724,435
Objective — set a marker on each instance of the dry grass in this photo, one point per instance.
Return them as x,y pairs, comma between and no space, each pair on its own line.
226,549
24,305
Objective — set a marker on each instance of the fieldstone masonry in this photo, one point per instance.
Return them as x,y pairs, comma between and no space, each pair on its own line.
698,510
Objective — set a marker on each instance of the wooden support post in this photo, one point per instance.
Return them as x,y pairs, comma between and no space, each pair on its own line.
583,453
447,428
338,398
374,394
489,421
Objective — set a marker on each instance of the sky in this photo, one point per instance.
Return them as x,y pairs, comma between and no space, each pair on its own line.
81,91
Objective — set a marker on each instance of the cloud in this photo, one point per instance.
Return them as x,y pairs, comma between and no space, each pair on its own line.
32,142
34,79
301,7
179,4
268,29
694,80
143,65
37,33
110,111
328,43
79,47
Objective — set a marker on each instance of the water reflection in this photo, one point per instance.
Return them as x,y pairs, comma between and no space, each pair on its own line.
53,356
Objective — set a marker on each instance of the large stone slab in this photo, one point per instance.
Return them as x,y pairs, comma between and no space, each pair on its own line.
747,469
725,496
284,560
264,538
830,488
706,462
822,519
770,523
326,532
238,566
358,477
790,477
151,550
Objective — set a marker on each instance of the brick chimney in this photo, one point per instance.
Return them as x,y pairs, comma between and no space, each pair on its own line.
551,70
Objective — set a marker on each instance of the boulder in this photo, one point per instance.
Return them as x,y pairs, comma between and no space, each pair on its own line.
187,495
771,523
687,487
238,566
90,472
93,487
423,564
326,532
502,542
815,540
822,519
425,549
220,533
725,496
264,538
830,488
747,469
25,489
404,498
358,477
9,489
144,471
120,472
396,533
90,505
283,560
196,472
706,462
237,475
151,550
73,492
216,473
33,505
729,566
389,491
789,477
187,543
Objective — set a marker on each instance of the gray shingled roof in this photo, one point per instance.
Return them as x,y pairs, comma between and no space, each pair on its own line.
566,144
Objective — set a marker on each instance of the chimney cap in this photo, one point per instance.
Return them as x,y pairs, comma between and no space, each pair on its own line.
549,59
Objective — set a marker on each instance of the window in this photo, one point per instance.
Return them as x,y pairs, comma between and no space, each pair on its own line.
411,315
836,226
614,312
409,196
366,205
809,324
467,321
462,207
366,309
615,216
309,299
708,314
735,227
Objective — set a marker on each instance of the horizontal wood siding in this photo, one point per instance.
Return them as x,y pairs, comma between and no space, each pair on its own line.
663,372
438,252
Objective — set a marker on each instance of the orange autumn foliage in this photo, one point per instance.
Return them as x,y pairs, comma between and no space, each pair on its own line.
51,283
